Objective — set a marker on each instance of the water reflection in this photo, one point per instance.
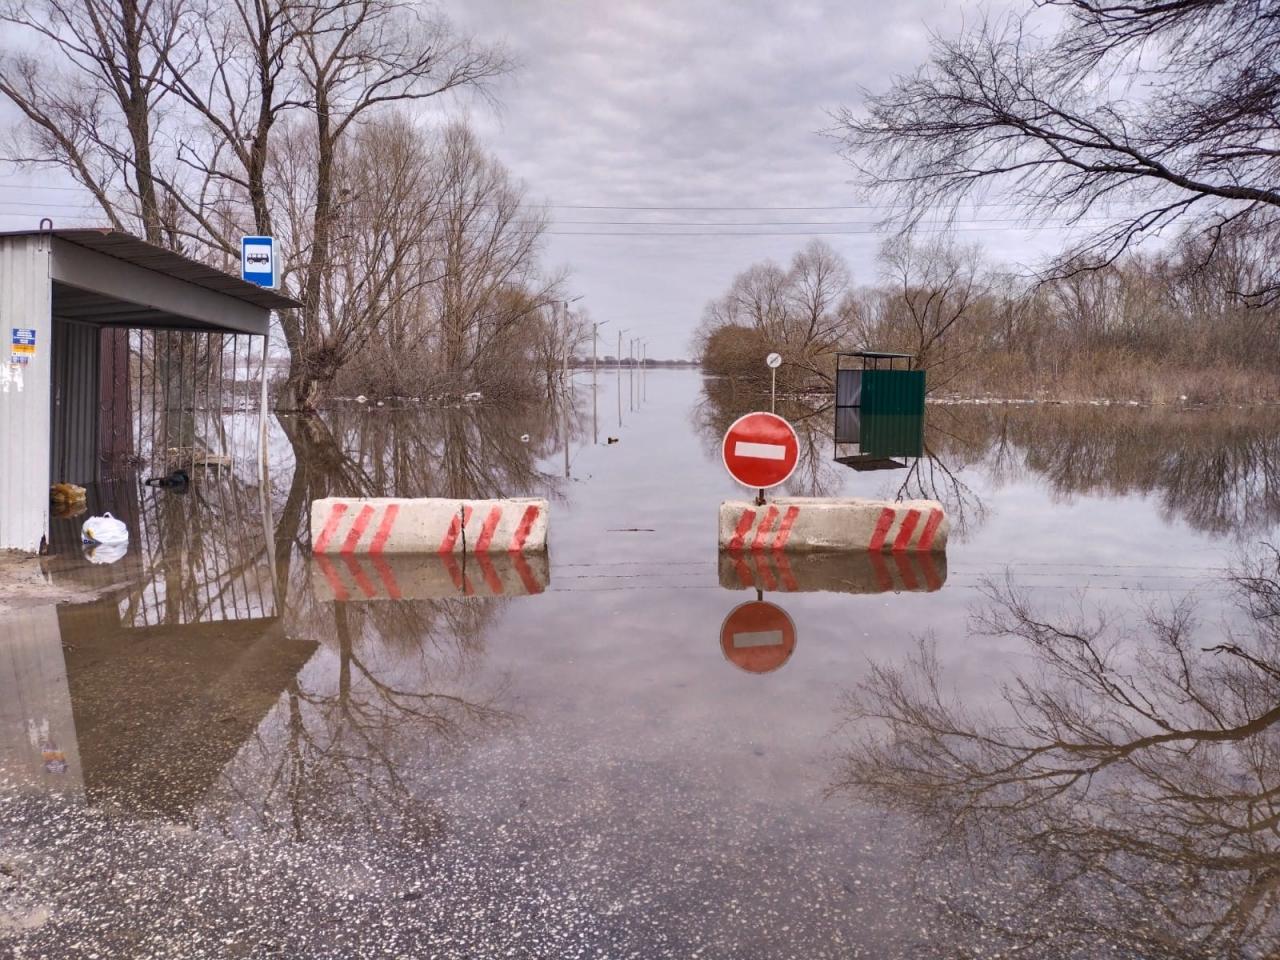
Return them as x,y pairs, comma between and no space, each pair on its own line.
588,764
758,636
223,677
428,576
1128,793
1216,470
355,735
835,573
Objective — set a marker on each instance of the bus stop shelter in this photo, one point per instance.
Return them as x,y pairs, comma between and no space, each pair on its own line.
63,295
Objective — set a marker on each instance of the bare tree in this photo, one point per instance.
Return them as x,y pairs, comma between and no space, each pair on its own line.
1140,115
357,57
380,261
96,115
801,312
236,76
935,287
488,243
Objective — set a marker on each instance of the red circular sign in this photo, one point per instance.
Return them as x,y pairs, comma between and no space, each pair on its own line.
760,450
757,636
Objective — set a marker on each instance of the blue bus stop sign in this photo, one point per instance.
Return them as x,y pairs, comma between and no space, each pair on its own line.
258,261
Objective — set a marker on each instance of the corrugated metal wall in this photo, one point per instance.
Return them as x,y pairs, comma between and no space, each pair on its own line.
893,391
74,452
848,388
115,425
893,434
25,297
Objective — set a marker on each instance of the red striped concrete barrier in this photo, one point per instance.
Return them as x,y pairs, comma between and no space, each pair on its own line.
382,525
860,572
356,577
801,524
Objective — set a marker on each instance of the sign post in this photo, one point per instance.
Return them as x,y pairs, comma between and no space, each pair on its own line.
760,450
774,360
258,261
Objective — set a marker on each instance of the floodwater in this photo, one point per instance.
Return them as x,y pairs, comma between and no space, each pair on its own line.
1023,750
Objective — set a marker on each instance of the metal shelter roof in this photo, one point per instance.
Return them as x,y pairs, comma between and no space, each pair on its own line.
106,277
874,355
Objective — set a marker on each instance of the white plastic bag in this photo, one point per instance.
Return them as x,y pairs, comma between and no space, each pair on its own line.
106,530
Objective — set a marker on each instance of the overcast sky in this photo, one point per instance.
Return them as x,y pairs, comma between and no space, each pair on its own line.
643,103
638,103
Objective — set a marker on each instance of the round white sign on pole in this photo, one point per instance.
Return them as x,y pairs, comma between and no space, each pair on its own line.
774,360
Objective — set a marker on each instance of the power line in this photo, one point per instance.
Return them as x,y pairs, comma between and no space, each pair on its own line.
663,226
643,207
90,207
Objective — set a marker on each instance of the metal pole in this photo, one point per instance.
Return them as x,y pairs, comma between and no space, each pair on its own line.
595,331
262,413
564,333
773,390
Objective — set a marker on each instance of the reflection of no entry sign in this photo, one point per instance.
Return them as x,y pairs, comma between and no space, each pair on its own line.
760,450
758,637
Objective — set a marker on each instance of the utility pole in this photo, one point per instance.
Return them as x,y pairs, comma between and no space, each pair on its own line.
618,363
563,310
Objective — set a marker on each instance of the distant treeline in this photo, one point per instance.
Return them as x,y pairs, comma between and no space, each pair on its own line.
1150,326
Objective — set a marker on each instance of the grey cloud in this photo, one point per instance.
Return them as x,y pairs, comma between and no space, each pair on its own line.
709,104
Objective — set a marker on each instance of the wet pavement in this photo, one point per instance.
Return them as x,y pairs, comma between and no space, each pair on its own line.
223,757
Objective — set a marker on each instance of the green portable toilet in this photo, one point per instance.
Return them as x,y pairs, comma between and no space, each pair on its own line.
880,407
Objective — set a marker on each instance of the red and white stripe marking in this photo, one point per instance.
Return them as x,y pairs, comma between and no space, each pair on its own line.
800,524
364,577
863,572
374,526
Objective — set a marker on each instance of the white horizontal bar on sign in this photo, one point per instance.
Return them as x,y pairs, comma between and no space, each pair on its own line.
761,451
759,638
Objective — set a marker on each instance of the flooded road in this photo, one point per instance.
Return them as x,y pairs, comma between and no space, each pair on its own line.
1025,748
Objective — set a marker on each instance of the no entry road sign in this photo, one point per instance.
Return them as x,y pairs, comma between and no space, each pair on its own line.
758,636
760,450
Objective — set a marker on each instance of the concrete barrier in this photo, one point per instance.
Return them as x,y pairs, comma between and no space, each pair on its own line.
860,572
802,524
434,576
382,525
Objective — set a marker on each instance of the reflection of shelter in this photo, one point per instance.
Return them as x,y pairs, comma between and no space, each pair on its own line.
38,748
879,410
89,313
160,710
199,558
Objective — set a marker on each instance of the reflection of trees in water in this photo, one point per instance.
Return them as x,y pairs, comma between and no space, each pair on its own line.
1216,470
354,733
1129,796
933,477
470,451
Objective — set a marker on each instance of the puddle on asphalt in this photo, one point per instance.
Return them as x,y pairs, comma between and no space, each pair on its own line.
638,747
